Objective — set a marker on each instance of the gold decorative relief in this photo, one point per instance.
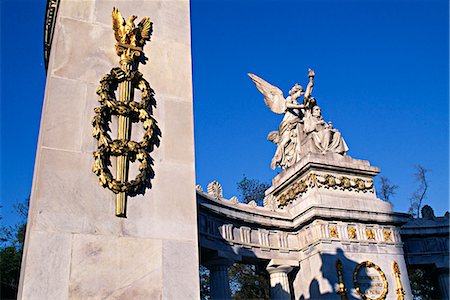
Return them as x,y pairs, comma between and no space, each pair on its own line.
334,232
370,234
369,281
327,181
400,291
126,78
387,235
352,232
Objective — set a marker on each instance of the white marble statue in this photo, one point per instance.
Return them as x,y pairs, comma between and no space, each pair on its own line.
290,132
325,137
302,129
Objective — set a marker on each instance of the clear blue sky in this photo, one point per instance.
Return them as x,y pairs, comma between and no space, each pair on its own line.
382,78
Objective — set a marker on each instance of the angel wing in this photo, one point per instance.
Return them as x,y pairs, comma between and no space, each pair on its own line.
118,24
273,96
146,29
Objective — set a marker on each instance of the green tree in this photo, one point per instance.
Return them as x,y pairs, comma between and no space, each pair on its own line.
11,240
248,282
252,190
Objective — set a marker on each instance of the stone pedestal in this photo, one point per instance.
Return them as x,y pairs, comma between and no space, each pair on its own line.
340,218
75,247
279,281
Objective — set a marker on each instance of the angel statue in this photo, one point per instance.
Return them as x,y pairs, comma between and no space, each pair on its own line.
290,131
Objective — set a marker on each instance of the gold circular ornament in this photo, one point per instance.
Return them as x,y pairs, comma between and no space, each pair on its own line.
371,285
107,147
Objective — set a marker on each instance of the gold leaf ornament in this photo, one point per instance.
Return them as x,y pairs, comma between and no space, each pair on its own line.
136,111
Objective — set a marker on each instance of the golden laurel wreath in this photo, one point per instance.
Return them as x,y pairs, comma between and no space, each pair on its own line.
136,111
369,264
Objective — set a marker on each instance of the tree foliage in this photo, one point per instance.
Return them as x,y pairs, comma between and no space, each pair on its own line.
252,190
423,284
12,238
248,282
420,194
205,292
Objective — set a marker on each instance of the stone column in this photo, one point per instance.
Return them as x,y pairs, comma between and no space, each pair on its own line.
219,281
279,282
443,278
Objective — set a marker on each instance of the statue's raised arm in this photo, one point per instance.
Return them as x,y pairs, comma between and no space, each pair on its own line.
310,85
273,96
308,100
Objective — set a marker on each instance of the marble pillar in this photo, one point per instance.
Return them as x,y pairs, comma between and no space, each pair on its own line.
75,246
279,281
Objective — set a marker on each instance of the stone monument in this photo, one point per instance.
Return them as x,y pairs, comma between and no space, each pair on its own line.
322,233
137,237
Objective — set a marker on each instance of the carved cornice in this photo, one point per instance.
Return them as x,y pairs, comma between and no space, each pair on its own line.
49,27
284,218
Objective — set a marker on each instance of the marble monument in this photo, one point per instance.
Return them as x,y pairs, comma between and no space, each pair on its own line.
136,238
322,233
105,221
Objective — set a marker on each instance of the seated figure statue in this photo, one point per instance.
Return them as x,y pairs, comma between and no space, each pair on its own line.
324,136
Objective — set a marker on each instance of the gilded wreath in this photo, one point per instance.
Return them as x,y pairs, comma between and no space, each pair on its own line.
130,42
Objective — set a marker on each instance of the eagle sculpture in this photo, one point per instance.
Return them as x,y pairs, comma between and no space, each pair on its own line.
127,33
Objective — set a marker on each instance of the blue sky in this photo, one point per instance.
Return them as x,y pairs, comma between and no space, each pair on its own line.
382,78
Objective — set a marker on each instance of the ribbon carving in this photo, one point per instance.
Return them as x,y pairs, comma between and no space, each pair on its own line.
126,78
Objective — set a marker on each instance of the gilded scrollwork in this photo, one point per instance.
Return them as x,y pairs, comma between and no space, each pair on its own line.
327,181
